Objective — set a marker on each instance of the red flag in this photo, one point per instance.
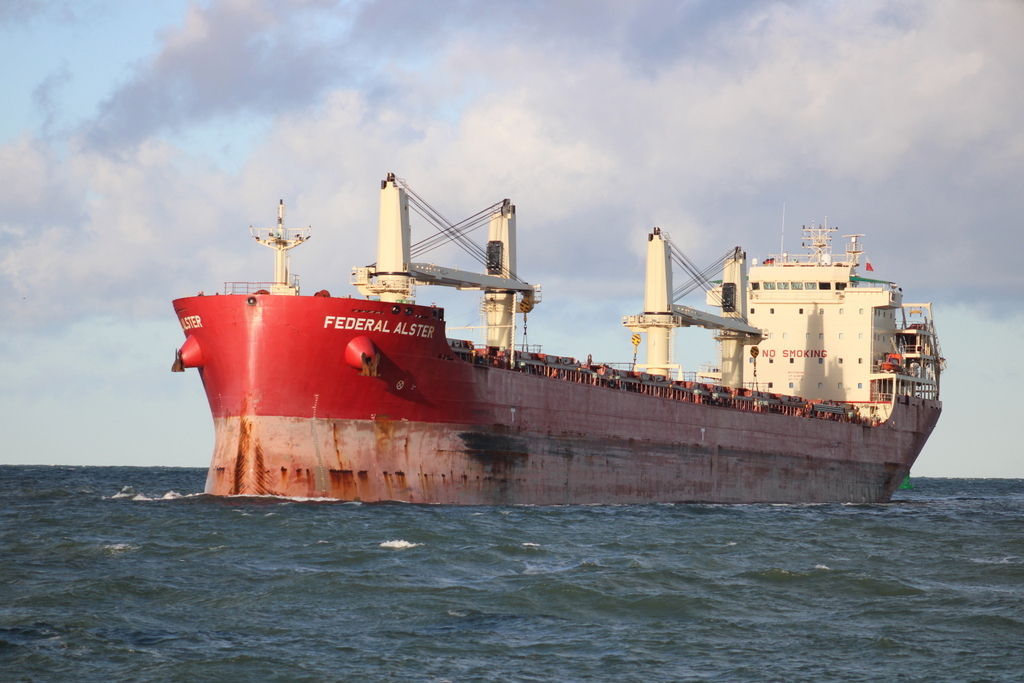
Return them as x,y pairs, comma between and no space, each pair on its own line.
869,265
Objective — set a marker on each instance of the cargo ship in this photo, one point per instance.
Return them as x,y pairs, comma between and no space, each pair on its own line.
826,390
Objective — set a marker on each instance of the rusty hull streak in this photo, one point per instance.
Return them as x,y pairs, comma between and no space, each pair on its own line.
249,461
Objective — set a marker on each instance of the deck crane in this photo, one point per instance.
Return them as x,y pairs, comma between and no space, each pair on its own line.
394,277
661,315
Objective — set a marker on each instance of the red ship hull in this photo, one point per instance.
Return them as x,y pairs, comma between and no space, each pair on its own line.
364,400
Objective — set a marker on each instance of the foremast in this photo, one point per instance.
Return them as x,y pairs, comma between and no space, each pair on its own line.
281,242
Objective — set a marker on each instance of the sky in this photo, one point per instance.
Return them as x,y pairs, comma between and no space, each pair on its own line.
139,141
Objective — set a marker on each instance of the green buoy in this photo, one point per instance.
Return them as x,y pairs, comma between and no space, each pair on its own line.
906,483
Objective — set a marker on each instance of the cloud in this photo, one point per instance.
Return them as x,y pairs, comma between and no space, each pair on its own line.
90,235
25,11
266,57
44,97
898,120
233,57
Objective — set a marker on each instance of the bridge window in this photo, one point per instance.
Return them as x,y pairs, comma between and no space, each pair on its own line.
796,285
824,285
840,285
755,286
783,285
769,285
810,285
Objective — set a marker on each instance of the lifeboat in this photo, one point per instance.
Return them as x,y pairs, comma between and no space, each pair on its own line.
893,362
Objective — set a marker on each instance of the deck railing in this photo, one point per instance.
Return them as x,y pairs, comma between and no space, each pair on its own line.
255,287
688,391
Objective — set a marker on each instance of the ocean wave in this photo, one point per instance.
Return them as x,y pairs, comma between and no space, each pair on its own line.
132,494
119,548
102,589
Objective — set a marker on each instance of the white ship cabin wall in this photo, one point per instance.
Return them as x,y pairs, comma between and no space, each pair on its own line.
826,332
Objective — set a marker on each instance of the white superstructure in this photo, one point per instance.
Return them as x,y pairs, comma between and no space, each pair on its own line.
833,334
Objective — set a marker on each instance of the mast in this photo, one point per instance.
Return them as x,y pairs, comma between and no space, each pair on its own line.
393,282
658,304
498,304
734,305
278,240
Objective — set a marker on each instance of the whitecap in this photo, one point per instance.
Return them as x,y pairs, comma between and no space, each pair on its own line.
125,492
823,567
531,545
118,548
131,493
296,499
399,544
1001,560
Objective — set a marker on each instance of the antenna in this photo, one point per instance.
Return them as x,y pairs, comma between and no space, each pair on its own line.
782,240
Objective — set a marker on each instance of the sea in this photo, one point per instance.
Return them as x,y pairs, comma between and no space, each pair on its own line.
132,574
